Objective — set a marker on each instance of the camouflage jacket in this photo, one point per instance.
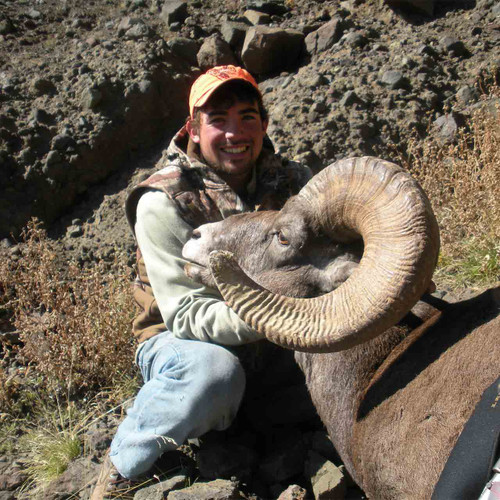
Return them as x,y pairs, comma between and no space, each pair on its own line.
201,196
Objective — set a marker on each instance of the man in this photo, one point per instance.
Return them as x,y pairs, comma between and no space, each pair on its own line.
220,163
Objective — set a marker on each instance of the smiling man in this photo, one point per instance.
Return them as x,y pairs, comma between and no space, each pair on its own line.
230,133
219,164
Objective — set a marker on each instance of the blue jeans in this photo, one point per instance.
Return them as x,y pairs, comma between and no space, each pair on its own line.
190,387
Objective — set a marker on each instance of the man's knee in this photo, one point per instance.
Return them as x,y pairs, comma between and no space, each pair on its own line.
219,370
208,369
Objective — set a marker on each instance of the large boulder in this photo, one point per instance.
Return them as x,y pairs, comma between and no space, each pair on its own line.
270,50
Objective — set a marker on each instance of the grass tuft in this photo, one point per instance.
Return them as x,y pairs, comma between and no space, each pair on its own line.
478,265
53,439
51,454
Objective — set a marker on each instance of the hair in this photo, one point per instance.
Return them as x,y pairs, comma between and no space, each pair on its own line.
230,93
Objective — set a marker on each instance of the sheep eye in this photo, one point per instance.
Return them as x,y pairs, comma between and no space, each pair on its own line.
282,239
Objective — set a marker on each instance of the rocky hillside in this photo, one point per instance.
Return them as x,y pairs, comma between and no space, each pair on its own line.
89,88
91,91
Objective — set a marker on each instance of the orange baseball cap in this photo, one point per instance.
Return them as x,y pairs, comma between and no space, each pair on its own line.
206,84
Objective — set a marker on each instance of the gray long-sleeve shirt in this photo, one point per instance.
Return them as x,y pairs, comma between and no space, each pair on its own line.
189,310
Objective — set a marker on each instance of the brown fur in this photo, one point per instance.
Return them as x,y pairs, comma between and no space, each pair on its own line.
395,424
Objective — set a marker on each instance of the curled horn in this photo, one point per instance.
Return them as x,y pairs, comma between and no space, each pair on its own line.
388,209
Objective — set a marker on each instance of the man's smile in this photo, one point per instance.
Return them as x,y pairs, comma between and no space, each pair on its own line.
234,149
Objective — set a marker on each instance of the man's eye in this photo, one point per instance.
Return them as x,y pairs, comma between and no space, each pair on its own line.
282,239
249,117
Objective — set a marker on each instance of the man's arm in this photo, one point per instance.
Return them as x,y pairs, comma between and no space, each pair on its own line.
189,310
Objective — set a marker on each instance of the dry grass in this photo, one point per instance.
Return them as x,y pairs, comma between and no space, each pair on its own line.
74,323
462,181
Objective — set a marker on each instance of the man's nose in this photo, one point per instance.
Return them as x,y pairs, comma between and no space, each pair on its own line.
234,129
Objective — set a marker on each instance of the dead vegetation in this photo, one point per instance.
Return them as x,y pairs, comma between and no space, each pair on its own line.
74,323
462,180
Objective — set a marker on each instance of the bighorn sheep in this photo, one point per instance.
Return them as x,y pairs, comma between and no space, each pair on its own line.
394,399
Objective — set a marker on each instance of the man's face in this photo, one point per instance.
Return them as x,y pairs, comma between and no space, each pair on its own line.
230,138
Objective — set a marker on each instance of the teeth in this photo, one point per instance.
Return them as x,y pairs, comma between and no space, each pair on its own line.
235,150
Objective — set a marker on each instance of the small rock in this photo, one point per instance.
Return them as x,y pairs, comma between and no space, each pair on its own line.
133,28
466,95
77,478
255,17
215,52
319,107
219,489
34,14
293,492
92,41
184,48
175,26
174,11
430,98
43,86
446,127
126,23
268,50
426,49
418,6
323,38
41,116
62,142
92,98
356,39
11,476
139,30
5,243
159,491
327,480
453,46
52,158
74,231
349,99
393,79
271,7
233,33
6,26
